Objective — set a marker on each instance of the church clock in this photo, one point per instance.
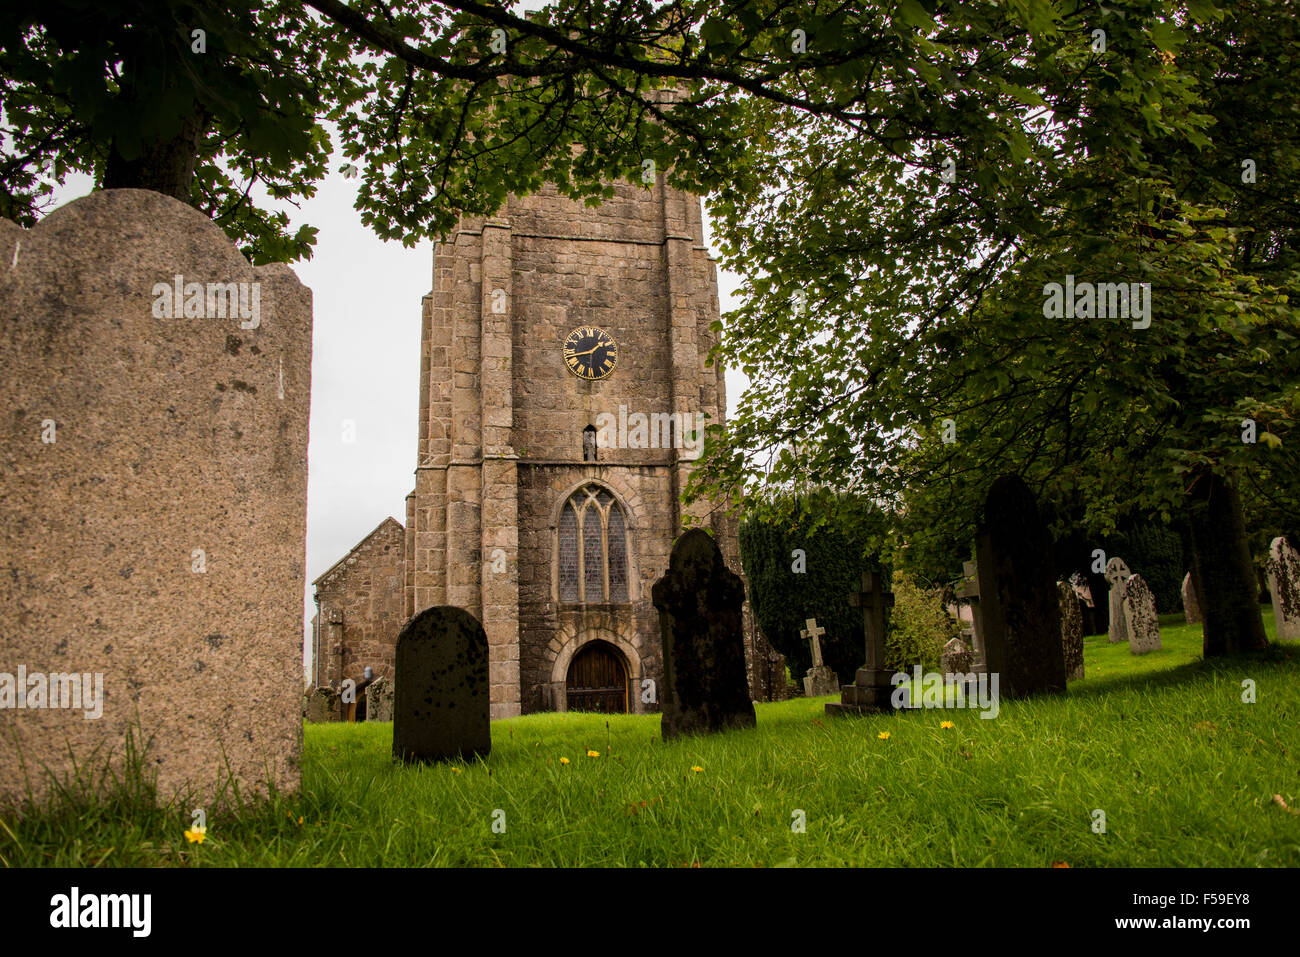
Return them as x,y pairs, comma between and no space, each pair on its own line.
590,353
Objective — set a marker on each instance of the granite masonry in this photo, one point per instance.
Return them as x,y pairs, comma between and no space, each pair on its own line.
156,392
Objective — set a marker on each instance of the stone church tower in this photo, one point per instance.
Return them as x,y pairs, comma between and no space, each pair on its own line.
563,387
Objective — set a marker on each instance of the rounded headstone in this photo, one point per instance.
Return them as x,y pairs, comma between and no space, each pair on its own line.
440,694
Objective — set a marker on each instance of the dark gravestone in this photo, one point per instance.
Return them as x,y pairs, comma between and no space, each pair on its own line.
699,603
440,693
1018,595
872,689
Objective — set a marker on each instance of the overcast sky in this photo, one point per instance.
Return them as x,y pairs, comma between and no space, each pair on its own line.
365,368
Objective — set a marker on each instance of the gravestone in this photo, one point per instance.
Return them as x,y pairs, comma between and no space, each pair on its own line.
440,687
968,590
379,700
1140,616
1117,575
1021,606
1071,631
154,447
957,658
1284,585
324,704
872,689
820,680
1191,605
699,602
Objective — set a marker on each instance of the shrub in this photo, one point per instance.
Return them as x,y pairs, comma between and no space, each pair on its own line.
783,599
919,627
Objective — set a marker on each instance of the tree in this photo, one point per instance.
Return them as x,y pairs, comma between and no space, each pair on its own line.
899,324
443,107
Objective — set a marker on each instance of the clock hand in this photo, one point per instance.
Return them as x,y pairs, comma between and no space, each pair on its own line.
575,355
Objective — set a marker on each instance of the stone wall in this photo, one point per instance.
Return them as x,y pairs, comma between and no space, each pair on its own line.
154,507
362,594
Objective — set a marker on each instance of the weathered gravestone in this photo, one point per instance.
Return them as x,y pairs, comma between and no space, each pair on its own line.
872,689
957,658
1140,618
324,704
1191,604
1117,574
1018,596
968,590
152,524
1284,585
820,680
1071,630
440,687
379,700
699,603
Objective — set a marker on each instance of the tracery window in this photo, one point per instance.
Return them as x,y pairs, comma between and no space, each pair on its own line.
592,548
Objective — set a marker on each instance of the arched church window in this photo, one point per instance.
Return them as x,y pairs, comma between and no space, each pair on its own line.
592,548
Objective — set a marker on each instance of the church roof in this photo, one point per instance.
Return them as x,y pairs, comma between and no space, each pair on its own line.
355,548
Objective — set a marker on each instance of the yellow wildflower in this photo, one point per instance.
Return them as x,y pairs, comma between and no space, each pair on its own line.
696,768
564,760
593,754
196,834
946,724
883,736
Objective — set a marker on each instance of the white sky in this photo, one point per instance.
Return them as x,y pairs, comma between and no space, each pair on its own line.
365,367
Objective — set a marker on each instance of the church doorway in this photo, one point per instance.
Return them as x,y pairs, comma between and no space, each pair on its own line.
597,680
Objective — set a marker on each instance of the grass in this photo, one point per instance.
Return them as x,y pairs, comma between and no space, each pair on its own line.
1184,771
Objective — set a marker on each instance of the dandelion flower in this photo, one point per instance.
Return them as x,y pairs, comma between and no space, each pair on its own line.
946,725
564,760
1059,864
696,768
883,736
196,834
593,754
457,770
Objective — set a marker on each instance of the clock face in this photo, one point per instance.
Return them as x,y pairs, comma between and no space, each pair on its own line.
590,353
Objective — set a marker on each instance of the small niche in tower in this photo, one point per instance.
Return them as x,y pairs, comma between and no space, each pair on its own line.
589,444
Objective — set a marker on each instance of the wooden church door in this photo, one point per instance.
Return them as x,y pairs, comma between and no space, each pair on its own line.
597,680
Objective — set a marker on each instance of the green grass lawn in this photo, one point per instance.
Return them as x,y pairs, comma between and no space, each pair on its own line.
1184,771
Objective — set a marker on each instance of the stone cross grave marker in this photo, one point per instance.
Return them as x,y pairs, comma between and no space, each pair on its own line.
1021,605
872,689
1191,605
820,680
699,600
1140,618
968,590
440,687
1284,585
1117,575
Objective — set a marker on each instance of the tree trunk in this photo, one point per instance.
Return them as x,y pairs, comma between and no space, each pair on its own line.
165,166
1222,570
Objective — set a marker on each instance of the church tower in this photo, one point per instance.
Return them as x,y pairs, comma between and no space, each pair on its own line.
564,391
